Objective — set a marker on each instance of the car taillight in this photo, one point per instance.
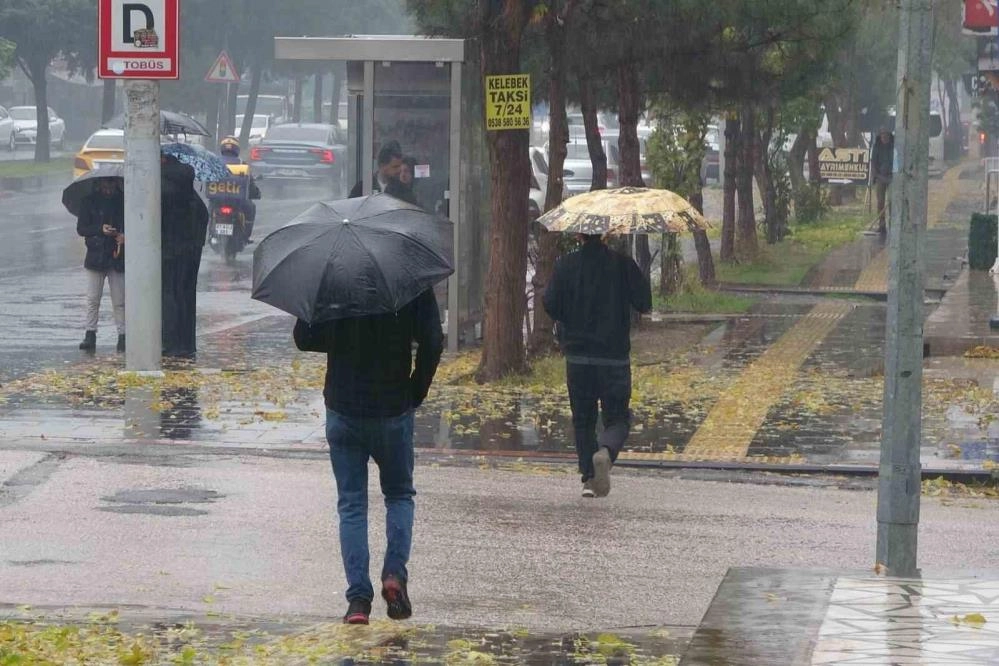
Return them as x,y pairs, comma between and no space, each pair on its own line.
256,154
325,156
225,210
80,163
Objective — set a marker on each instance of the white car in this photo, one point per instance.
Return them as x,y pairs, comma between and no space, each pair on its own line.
258,130
6,128
25,128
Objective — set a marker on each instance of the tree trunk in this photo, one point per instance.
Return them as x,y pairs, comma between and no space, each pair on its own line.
503,338
598,158
335,94
796,163
36,71
542,332
765,179
954,130
812,150
251,105
317,98
705,261
214,111
671,274
746,246
733,133
629,108
232,91
296,114
108,100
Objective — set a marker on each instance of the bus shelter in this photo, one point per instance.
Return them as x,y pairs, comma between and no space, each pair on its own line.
426,94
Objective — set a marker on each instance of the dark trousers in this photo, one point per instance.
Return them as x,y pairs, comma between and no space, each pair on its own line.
610,387
882,192
180,302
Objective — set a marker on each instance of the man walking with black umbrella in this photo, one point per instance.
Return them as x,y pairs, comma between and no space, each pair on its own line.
358,275
371,392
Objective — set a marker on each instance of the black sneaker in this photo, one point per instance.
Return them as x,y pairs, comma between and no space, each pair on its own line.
395,595
357,612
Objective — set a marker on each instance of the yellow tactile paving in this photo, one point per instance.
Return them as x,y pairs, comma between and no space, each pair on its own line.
731,425
874,277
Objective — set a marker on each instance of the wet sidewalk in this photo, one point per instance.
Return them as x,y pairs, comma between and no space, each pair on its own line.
164,636
786,616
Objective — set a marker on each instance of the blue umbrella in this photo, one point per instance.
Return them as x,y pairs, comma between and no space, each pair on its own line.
208,167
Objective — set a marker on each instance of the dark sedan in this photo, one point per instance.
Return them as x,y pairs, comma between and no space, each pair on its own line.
301,152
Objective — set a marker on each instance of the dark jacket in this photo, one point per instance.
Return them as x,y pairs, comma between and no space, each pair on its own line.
184,217
883,160
369,366
397,189
96,211
591,296
358,189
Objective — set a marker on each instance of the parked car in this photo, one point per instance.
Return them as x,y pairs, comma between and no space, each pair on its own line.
6,128
301,152
25,127
106,146
258,128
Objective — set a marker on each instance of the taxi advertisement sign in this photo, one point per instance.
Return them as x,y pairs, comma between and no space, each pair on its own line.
138,40
508,102
844,165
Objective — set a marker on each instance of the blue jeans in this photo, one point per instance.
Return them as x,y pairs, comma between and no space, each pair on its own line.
389,441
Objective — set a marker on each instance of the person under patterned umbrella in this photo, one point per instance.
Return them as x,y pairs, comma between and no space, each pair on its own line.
591,295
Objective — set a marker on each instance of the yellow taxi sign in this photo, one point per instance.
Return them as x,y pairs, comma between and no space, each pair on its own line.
508,102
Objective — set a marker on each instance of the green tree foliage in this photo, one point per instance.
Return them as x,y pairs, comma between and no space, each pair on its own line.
41,30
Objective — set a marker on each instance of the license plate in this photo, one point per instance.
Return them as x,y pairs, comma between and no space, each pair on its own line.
290,172
223,229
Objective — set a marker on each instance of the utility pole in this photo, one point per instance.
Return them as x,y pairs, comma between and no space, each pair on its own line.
143,247
900,472
994,319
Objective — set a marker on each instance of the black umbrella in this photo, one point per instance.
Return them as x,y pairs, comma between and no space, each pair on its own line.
355,257
171,123
79,189
176,179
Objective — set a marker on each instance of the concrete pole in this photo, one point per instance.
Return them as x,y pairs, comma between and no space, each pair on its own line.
143,246
994,319
900,473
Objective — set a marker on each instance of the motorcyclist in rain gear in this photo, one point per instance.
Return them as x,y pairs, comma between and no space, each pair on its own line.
229,151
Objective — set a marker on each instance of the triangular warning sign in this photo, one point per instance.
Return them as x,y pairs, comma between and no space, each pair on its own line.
223,71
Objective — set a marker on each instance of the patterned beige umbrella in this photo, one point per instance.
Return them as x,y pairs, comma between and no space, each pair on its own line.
626,210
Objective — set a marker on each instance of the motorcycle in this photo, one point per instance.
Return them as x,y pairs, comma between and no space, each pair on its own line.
232,212
227,233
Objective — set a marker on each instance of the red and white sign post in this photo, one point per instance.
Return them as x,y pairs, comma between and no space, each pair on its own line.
139,41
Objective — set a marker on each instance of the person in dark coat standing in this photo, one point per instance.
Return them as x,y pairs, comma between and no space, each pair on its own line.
591,296
389,166
184,227
882,171
101,222
372,388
